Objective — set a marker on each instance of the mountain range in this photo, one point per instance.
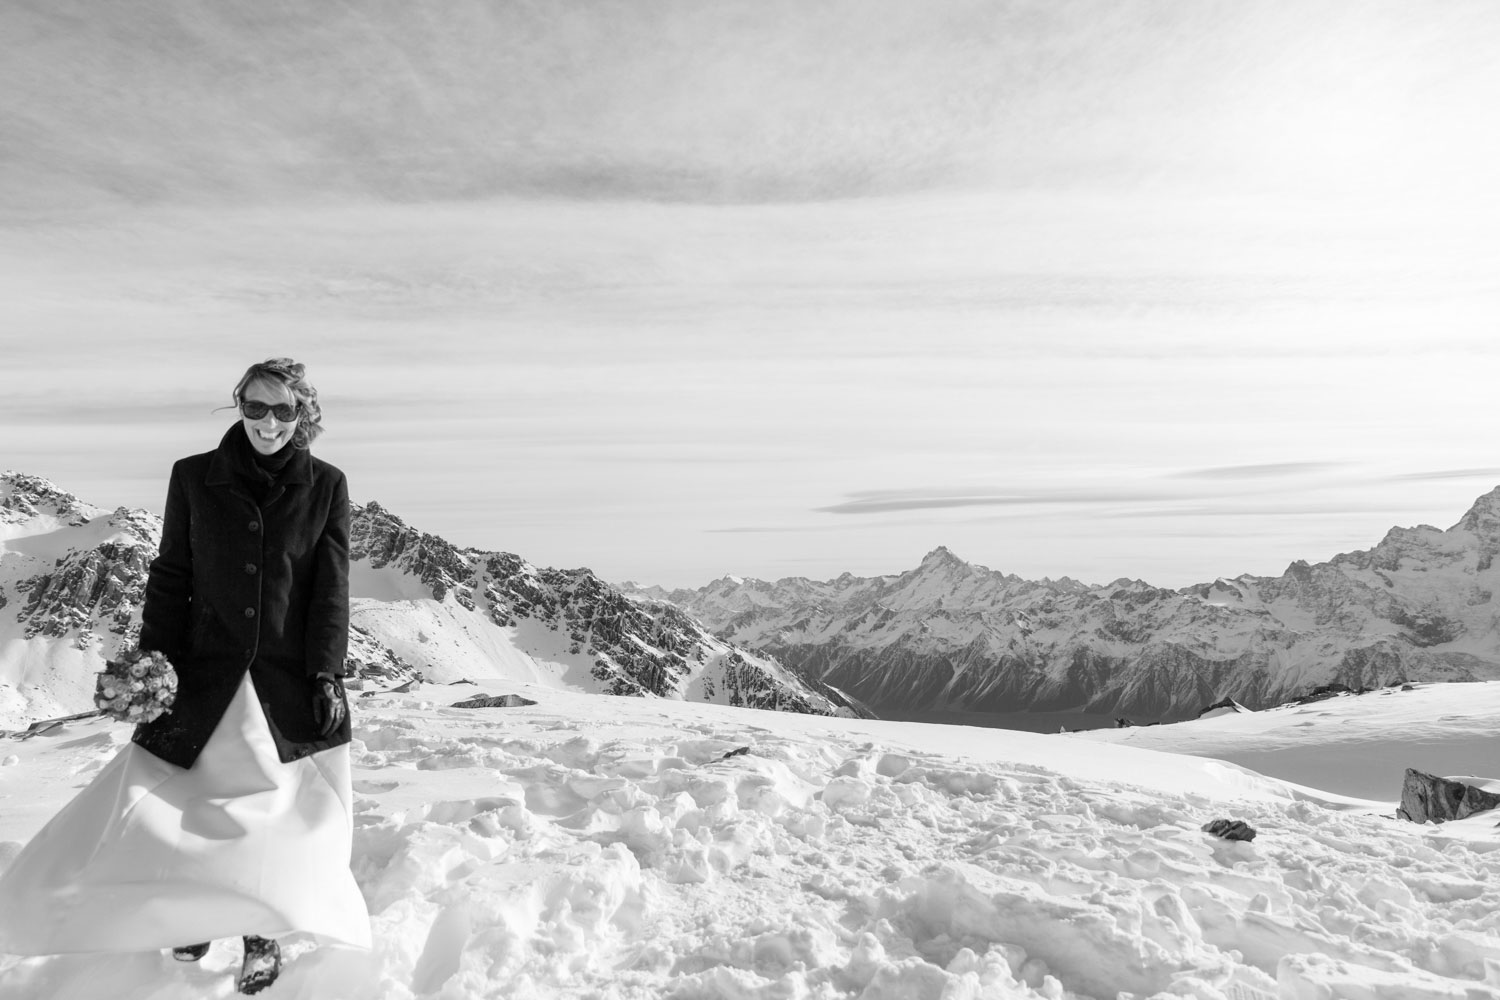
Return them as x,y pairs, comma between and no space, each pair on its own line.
952,636
72,578
946,636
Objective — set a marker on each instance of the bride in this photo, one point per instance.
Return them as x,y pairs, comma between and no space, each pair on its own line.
230,816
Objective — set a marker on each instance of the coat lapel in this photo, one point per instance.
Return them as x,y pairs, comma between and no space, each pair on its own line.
223,469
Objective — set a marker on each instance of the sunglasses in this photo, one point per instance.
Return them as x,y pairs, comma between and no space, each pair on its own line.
255,410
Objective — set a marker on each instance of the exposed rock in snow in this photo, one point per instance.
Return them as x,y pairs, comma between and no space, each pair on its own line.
1224,706
494,701
26,498
950,635
1230,829
1429,798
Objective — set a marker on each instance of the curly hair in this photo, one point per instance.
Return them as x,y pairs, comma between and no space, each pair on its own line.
291,375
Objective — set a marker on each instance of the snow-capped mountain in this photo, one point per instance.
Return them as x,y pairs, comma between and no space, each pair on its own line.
72,577
950,635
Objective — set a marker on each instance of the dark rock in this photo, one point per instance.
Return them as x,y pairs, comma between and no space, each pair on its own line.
494,701
736,752
370,664
1427,797
43,726
1325,691
1230,829
1221,703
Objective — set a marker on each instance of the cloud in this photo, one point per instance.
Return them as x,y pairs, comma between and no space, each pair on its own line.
1259,510
116,411
1485,473
1266,471
763,530
738,100
885,501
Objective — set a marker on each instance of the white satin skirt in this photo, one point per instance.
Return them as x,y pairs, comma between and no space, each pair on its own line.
152,855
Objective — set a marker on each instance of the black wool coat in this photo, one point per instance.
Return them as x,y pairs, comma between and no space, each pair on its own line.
239,585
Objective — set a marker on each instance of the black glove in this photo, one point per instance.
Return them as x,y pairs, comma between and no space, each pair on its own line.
328,705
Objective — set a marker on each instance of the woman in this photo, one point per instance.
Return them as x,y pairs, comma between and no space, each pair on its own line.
230,815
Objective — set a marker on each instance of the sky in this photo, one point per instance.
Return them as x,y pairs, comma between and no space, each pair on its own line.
1167,291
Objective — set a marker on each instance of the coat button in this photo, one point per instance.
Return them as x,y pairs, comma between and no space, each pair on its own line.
249,612
250,568
254,526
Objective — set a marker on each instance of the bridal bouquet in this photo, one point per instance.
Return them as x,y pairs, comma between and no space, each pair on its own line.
138,687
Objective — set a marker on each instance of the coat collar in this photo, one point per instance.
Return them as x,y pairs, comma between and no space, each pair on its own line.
227,459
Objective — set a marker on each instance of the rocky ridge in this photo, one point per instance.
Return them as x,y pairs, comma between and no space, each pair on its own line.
632,646
87,585
72,579
951,635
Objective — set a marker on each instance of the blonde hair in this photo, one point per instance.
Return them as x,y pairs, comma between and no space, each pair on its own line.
290,375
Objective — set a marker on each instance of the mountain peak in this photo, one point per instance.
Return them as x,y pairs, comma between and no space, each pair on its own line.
941,556
23,497
1483,518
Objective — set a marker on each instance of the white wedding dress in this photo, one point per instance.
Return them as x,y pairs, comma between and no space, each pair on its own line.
152,855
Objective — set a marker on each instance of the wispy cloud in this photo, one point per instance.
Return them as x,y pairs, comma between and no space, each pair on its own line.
764,530
114,411
885,501
1485,473
1269,470
1243,510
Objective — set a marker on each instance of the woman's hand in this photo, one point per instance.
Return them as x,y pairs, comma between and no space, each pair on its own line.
328,704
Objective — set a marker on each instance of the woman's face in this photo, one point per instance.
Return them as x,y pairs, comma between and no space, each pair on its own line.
268,435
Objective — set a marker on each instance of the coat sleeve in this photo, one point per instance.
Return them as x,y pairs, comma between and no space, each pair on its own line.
165,613
328,615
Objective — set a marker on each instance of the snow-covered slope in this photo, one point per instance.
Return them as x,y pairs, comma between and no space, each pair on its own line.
72,577
457,613
1364,744
626,849
951,635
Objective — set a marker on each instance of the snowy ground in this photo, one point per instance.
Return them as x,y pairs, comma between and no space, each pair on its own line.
595,847
1355,744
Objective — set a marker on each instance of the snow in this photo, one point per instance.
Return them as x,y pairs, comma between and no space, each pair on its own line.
1363,743
599,847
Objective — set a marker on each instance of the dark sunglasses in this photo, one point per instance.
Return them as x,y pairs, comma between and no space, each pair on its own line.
255,410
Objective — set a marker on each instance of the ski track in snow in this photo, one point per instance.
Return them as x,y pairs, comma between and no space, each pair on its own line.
593,847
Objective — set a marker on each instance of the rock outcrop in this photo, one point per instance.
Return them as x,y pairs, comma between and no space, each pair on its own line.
1429,798
494,701
1230,829
632,645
